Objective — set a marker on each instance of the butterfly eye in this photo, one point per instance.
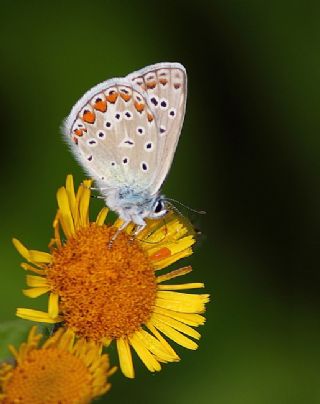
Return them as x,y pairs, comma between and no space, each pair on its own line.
158,207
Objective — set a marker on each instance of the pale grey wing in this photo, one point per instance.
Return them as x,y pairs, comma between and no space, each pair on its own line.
166,88
113,134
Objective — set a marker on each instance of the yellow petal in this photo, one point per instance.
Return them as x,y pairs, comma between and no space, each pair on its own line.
40,257
183,297
118,223
66,219
14,353
188,318
106,342
174,274
56,228
53,341
84,206
79,196
71,194
176,246
129,229
164,342
98,391
53,305
173,258
67,340
90,357
181,287
37,315
168,232
36,292
181,302
36,281
28,267
176,336
177,325
87,184
112,371
33,256
156,346
152,226
22,250
102,216
125,357
147,358
34,336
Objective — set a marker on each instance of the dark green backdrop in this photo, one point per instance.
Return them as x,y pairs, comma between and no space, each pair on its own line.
249,155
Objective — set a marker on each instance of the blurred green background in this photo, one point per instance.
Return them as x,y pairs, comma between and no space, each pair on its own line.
249,155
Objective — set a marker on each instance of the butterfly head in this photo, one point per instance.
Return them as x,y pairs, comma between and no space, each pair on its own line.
134,205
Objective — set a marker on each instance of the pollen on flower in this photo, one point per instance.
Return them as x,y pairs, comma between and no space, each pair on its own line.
105,292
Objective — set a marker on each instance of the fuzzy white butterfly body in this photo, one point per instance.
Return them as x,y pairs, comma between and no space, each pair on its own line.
124,133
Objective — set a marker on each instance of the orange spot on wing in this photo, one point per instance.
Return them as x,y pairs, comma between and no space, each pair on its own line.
100,106
125,97
161,254
163,81
79,132
75,140
89,116
151,84
139,107
150,117
112,97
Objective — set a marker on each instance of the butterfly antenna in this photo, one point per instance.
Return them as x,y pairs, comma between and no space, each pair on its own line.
200,212
171,206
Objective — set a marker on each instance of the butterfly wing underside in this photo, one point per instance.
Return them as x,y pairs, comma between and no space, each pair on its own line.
114,135
124,131
166,87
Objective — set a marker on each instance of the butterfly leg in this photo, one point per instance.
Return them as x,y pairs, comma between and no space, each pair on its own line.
98,197
139,229
98,188
119,230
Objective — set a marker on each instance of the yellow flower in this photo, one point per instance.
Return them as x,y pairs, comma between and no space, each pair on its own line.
108,293
60,371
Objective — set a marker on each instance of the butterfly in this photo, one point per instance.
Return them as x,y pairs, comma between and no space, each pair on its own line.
124,133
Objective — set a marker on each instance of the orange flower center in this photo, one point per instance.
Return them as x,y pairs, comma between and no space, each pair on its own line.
49,375
105,292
